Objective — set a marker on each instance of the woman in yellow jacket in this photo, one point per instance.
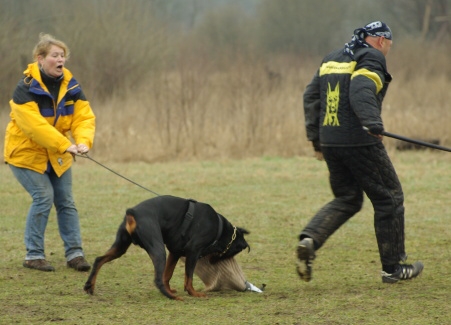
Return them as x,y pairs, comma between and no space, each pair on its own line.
48,109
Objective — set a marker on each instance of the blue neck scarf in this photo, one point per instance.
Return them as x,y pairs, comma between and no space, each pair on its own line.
357,41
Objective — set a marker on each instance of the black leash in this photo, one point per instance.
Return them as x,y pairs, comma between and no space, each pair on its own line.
418,142
85,155
189,214
414,141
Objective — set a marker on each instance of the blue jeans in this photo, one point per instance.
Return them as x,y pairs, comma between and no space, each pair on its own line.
48,189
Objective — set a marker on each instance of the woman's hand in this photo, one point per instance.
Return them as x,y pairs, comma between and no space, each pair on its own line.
78,149
72,149
82,148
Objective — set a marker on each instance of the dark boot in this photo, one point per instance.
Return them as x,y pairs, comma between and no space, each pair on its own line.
41,265
79,264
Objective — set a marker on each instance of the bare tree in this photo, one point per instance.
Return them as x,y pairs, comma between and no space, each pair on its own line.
427,19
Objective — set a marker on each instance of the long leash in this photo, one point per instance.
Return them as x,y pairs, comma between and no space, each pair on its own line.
85,155
189,215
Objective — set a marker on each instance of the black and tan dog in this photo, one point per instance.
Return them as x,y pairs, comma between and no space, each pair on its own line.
187,228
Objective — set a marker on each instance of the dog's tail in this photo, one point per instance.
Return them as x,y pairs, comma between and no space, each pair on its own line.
130,222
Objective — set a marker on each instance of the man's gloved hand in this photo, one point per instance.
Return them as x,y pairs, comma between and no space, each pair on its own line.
319,156
375,129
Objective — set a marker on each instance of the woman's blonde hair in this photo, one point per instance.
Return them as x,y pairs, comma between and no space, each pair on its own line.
45,43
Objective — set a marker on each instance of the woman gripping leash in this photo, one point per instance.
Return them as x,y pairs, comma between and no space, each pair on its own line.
48,111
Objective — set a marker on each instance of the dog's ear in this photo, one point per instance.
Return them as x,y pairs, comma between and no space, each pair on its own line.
244,231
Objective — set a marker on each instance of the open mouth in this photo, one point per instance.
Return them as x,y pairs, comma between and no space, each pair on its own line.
59,66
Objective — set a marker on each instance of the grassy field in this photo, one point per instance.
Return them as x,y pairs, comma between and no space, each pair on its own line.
273,198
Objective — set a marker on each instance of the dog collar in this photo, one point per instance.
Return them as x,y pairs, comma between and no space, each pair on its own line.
230,243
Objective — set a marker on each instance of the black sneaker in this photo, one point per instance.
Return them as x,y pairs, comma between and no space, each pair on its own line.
79,264
40,265
404,272
306,255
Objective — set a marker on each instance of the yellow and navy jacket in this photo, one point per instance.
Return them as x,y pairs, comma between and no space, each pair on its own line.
346,94
41,126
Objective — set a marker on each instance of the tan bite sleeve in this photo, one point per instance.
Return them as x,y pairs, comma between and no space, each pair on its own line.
223,275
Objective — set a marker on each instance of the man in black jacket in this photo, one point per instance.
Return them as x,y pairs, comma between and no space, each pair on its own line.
342,106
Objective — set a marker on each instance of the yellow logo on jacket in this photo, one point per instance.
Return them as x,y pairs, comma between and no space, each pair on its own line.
333,98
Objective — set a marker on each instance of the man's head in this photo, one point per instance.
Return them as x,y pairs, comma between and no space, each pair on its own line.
377,29
379,36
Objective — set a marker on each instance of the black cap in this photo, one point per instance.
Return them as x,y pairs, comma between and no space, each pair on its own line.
377,29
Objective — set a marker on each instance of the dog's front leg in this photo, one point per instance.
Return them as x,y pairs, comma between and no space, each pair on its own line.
169,271
190,265
159,260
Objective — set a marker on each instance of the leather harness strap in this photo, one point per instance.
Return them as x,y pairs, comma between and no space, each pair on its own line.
189,217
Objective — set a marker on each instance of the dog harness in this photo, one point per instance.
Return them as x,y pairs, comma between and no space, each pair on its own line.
189,217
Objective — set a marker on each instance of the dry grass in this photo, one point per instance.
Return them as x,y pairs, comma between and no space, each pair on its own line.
196,112
205,116
248,107
233,135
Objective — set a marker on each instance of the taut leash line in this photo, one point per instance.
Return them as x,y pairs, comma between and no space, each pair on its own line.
85,155
418,142
414,141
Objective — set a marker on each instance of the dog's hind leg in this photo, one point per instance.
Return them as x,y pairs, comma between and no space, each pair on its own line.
169,271
119,247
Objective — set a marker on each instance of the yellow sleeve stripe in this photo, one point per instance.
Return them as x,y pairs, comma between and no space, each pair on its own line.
337,67
371,75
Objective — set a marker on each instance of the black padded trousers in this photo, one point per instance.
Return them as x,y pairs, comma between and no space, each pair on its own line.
354,170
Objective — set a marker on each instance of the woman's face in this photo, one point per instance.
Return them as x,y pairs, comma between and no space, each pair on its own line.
53,62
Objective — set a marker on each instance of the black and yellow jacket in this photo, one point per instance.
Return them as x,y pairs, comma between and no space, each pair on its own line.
41,126
345,95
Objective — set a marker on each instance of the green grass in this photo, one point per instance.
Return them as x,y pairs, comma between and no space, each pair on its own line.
273,198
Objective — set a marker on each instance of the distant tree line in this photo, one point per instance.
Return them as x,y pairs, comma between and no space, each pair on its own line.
117,44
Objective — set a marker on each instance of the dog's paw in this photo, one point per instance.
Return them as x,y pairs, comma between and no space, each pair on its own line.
197,294
89,288
169,289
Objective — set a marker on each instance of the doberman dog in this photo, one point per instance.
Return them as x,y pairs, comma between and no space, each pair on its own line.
187,228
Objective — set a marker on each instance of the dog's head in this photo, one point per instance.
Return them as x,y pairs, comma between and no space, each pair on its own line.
231,244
